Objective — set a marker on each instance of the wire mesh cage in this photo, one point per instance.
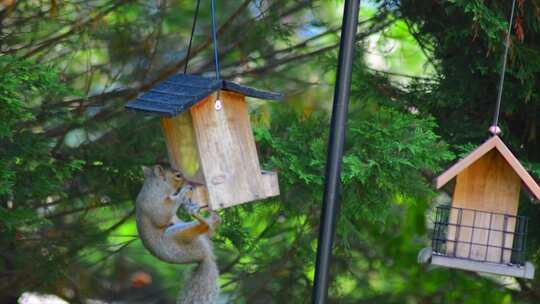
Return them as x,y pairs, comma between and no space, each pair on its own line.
479,235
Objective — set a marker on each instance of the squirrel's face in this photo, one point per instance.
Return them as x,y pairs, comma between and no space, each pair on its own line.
173,177
154,200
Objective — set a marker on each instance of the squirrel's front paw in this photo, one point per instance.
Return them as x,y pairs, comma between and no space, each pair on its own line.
215,219
182,195
186,191
175,197
192,207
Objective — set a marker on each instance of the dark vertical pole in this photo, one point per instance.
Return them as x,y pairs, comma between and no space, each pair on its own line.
335,150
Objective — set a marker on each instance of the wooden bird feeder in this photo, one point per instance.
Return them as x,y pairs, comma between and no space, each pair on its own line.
481,230
209,139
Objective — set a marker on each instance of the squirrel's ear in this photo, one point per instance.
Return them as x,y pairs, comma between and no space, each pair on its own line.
158,171
147,171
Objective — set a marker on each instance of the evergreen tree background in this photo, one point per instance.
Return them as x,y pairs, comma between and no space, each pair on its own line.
424,85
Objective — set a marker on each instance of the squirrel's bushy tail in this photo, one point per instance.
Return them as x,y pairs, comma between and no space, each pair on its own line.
202,287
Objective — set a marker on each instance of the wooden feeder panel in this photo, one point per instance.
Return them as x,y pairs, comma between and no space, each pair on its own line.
182,145
479,232
491,185
222,143
213,147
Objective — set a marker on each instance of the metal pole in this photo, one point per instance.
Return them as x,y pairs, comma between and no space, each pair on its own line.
335,150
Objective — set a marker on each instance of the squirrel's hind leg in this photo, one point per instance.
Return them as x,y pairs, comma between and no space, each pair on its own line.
186,231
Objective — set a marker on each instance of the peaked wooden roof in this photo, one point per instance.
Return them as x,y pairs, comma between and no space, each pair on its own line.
493,143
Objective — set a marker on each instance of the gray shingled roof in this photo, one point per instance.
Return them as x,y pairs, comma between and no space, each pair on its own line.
180,92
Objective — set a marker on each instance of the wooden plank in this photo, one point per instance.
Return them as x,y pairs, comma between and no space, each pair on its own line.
527,179
182,146
526,271
183,153
270,183
490,144
227,151
200,195
461,165
489,185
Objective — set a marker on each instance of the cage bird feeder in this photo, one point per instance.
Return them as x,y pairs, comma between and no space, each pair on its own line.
209,137
481,231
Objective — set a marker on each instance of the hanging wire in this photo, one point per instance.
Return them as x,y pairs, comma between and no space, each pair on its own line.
214,40
494,129
192,33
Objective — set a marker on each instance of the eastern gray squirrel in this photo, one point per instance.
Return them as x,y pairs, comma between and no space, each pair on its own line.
172,240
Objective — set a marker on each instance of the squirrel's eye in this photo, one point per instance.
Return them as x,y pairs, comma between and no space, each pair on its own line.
178,175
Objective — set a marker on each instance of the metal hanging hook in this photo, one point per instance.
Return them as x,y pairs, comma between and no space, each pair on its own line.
217,104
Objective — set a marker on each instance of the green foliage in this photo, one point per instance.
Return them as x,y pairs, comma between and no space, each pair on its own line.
489,20
465,39
384,157
30,172
22,83
24,153
70,162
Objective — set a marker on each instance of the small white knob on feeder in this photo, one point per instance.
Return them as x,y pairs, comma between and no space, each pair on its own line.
218,105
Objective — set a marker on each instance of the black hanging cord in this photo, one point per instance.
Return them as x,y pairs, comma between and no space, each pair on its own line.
192,33
214,40
494,129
